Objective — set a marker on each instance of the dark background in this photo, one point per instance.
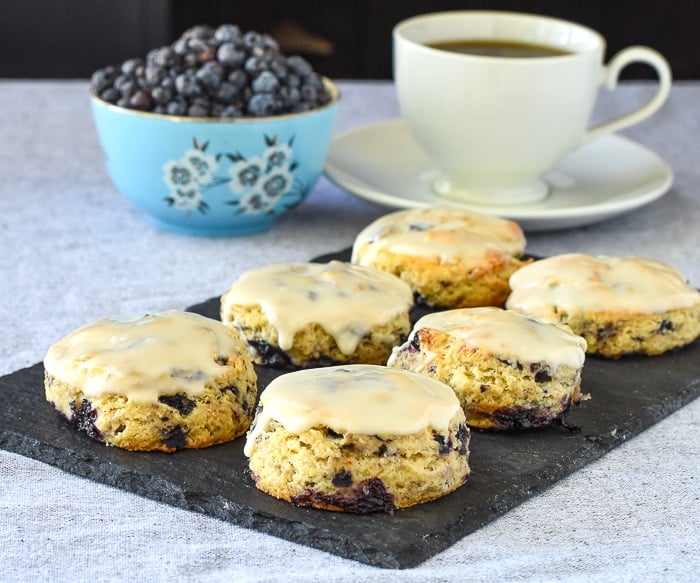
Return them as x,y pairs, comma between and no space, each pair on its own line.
343,40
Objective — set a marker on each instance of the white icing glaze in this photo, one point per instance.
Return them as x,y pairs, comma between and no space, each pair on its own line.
143,357
576,281
345,300
507,335
447,234
364,399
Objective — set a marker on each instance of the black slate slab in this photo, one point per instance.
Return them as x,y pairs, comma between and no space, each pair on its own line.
628,396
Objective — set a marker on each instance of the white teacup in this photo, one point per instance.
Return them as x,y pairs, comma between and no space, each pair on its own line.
494,125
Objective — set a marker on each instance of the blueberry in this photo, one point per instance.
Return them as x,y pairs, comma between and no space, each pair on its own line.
272,356
120,80
270,44
201,50
187,85
231,111
162,57
291,95
190,60
299,65
176,108
210,74
140,100
154,74
180,402
463,435
200,31
444,444
238,78
102,79
174,438
197,111
180,46
161,95
292,80
542,376
261,104
256,65
664,326
127,87
342,479
252,39
84,417
168,82
227,92
110,95
129,66
266,82
309,93
230,55
279,67
227,33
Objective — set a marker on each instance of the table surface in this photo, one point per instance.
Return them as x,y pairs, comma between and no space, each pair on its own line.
73,250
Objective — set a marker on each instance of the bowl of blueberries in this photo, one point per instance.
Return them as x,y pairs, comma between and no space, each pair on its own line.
217,134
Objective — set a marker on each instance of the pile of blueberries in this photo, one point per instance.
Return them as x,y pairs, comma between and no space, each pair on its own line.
214,72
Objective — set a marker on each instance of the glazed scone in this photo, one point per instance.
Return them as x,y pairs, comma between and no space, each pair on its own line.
450,258
158,382
358,438
318,314
508,371
621,305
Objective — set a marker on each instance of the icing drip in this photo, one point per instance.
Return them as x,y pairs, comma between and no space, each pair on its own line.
345,300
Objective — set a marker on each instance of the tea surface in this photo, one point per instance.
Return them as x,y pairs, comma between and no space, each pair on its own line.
499,48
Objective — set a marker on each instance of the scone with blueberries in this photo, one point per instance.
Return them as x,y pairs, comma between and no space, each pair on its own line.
358,438
451,258
296,315
621,305
509,371
158,382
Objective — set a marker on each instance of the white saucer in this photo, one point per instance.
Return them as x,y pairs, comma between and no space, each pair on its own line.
611,175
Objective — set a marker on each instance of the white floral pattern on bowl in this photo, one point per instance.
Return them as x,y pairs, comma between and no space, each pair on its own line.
260,184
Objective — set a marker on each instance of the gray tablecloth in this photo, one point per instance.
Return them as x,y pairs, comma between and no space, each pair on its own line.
72,250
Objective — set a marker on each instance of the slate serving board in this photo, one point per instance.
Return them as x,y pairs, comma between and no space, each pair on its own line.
627,396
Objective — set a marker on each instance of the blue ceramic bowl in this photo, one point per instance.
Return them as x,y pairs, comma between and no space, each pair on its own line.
214,177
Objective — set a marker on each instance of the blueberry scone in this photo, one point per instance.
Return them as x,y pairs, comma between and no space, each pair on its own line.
621,305
358,438
509,371
450,258
297,315
163,381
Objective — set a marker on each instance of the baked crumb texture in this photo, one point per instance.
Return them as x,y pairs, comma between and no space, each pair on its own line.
621,305
160,382
222,412
449,258
508,371
360,473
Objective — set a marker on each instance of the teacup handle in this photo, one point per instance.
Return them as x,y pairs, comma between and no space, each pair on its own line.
611,73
